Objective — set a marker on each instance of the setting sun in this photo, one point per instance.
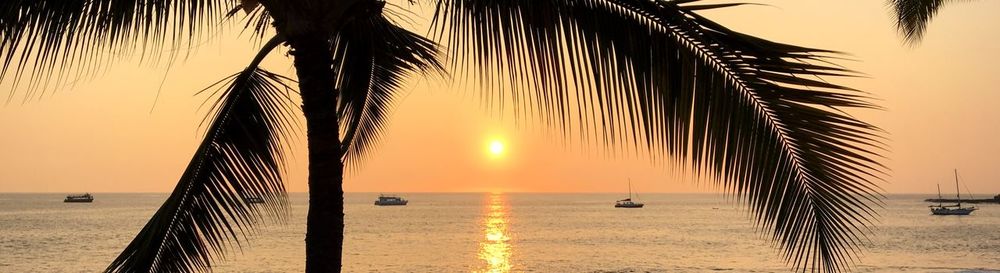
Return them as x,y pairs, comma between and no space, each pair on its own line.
496,148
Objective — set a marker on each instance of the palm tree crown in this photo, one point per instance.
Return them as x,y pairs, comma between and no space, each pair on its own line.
755,115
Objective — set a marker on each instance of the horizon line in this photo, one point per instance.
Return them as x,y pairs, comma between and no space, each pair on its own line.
449,192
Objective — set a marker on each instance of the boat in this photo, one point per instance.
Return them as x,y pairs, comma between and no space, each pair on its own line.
253,200
956,209
79,198
390,200
627,202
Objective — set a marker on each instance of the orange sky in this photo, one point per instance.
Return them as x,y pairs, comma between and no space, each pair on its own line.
941,99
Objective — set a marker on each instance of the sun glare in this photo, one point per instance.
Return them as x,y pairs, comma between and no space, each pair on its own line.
496,148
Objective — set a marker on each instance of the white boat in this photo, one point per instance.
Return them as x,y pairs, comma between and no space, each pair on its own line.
952,210
956,209
390,200
627,202
79,198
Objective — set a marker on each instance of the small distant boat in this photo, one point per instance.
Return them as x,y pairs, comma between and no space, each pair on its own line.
79,198
627,202
956,209
390,200
253,200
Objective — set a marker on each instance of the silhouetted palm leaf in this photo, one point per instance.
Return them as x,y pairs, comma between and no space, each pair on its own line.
752,113
912,16
373,57
240,157
45,36
257,19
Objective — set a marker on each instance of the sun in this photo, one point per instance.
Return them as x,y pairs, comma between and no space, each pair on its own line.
496,148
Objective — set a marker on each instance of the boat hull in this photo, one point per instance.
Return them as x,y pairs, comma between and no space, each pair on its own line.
78,201
629,206
949,211
402,203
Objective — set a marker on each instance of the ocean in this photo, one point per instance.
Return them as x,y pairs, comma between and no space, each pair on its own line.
502,232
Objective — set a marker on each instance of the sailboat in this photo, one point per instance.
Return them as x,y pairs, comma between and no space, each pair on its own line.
956,209
627,202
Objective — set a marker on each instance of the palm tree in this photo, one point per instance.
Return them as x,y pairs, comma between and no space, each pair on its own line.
752,114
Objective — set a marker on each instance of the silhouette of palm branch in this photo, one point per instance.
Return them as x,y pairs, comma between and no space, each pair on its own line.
913,16
240,157
751,113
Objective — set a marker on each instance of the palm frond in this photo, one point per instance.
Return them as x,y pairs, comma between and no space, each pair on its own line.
256,19
240,157
755,115
373,56
912,16
42,39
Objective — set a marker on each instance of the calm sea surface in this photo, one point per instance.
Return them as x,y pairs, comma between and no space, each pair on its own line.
483,232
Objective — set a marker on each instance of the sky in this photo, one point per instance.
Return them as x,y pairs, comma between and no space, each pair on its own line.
135,127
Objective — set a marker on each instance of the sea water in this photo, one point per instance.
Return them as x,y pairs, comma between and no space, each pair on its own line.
502,232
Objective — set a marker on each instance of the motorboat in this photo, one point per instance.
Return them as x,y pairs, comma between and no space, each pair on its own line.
390,200
79,198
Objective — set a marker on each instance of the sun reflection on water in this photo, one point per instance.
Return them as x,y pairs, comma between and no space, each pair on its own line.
495,249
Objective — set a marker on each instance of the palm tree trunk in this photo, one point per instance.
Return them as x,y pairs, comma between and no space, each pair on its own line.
325,222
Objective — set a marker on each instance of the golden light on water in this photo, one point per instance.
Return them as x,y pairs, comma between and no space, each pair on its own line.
495,249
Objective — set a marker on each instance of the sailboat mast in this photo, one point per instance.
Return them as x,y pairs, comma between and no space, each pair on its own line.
958,193
939,194
630,188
